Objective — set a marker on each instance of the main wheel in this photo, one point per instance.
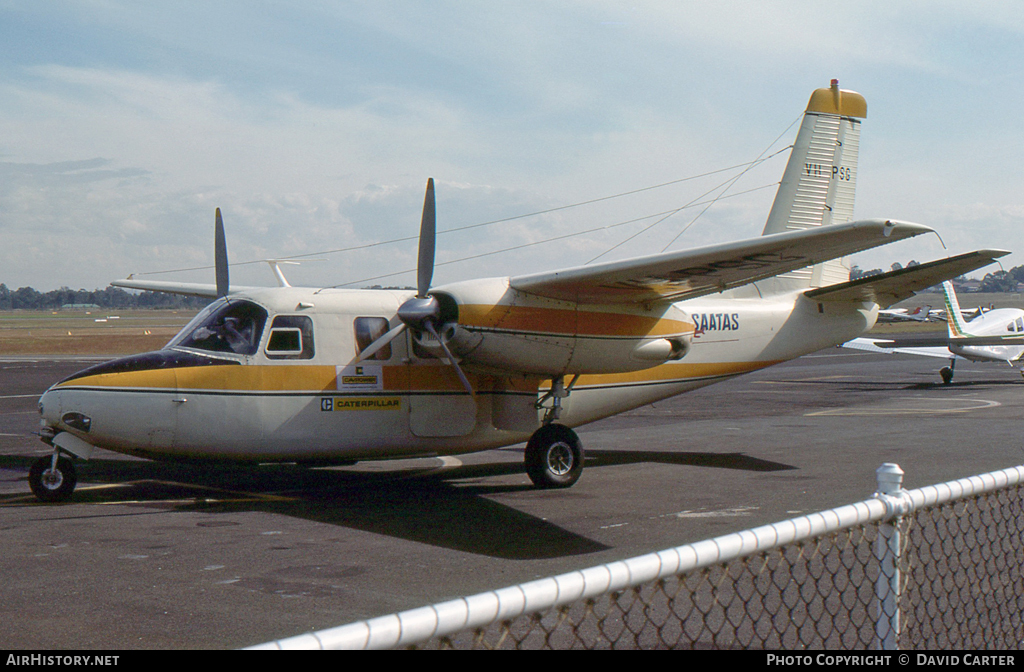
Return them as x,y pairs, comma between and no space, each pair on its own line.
946,374
52,485
554,457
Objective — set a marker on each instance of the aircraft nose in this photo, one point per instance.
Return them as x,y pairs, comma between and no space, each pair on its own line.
49,407
49,415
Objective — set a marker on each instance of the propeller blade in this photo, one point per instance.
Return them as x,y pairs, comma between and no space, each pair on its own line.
220,255
380,343
451,360
428,234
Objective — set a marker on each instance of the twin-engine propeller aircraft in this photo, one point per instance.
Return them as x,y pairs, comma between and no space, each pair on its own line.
993,336
331,376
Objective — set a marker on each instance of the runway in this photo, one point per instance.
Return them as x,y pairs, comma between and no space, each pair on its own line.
151,555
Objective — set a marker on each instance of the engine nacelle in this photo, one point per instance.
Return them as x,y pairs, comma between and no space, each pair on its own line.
489,326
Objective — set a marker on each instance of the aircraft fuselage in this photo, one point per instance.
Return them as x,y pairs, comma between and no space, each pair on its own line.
272,376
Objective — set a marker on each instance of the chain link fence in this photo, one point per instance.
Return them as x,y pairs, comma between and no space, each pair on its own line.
936,568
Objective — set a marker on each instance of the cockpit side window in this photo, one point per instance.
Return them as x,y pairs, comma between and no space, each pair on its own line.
234,327
368,330
291,337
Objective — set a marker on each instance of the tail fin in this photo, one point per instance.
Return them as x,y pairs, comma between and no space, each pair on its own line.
818,186
954,318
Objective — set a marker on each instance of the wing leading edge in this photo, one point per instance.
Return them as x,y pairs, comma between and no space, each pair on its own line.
187,288
675,276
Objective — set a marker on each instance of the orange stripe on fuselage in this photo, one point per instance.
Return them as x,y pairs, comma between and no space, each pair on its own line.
568,321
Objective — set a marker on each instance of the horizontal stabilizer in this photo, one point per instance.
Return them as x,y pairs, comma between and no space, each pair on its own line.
674,276
892,287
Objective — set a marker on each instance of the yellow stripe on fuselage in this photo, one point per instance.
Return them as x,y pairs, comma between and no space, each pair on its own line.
402,378
228,378
673,372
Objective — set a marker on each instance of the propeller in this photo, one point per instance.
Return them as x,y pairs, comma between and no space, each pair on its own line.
422,312
220,255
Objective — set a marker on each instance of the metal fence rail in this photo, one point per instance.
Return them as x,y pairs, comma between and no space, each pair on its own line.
938,567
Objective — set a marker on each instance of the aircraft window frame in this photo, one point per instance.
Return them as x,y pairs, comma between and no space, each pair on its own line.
226,326
367,330
303,325
284,341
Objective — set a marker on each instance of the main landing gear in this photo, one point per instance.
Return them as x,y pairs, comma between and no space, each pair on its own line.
554,454
52,478
946,372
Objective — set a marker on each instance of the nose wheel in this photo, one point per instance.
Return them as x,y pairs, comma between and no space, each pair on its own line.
52,478
554,457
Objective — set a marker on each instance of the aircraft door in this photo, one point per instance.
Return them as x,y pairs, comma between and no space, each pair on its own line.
438,404
162,424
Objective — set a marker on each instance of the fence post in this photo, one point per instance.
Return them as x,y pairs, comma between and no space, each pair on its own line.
887,551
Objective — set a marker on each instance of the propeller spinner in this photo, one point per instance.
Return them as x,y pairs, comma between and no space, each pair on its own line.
422,312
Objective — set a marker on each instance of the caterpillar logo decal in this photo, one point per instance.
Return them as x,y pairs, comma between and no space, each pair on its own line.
360,377
361,404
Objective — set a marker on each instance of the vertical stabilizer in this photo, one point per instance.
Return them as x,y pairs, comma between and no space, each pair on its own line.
954,318
818,186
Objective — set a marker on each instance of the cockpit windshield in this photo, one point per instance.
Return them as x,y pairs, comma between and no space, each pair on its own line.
224,326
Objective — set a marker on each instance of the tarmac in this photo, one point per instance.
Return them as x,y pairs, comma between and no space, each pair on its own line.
153,555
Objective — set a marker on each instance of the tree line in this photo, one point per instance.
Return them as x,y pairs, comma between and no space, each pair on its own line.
27,298
997,281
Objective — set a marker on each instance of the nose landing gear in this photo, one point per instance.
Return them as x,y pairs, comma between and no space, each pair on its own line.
52,478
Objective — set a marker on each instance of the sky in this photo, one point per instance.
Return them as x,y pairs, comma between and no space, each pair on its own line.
315,125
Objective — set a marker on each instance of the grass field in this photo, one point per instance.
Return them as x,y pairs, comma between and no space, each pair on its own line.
95,332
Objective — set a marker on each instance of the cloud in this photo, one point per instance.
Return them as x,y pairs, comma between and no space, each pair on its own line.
314,128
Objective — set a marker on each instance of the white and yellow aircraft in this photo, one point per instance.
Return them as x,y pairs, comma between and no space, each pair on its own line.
995,335
331,376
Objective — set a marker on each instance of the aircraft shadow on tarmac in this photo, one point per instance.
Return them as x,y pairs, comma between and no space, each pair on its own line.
445,507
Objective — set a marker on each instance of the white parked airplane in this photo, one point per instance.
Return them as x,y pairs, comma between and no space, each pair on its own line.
993,336
919,314
331,376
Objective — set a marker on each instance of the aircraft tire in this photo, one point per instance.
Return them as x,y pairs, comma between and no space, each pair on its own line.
946,374
554,457
52,486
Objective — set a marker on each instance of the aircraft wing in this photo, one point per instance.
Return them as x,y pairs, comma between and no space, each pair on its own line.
892,348
916,346
674,276
892,287
186,288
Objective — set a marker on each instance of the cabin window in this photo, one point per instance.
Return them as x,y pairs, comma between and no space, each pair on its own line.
1020,324
368,330
232,326
291,337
